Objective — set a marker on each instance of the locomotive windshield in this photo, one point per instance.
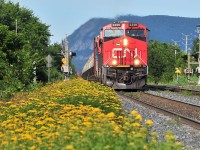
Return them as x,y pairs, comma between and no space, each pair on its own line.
113,33
133,33
136,33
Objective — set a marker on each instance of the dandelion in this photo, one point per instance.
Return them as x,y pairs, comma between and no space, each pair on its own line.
136,124
138,117
154,134
26,136
19,130
145,147
14,138
134,113
178,144
117,129
149,122
49,119
40,122
111,115
69,147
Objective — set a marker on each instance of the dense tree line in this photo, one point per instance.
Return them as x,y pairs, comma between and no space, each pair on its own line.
24,45
163,58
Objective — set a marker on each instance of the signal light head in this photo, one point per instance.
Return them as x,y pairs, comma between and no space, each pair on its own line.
125,42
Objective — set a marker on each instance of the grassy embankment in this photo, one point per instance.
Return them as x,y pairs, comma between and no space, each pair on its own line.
75,114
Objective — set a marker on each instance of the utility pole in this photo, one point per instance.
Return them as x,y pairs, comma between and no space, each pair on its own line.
187,50
176,44
16,26
198,70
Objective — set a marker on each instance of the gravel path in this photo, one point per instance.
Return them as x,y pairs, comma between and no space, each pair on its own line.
188,136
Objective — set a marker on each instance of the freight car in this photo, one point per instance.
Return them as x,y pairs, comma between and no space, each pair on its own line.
119,59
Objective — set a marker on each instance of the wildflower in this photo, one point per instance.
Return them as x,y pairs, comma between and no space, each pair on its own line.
178,144
26,136
111,115
69,147
49,119
14,138
134,113
32,147
39,122
19,130
145,147
138,117
149,122
136,124
117,130
154,134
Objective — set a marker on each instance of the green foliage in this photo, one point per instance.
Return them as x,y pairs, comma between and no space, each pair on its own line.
23,46
162,61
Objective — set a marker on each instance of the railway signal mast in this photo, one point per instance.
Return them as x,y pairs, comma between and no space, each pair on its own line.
198,68
65,66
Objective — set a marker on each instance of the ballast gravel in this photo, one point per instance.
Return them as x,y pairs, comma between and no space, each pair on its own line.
189,136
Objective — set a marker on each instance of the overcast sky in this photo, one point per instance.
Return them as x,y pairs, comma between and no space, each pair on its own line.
65,16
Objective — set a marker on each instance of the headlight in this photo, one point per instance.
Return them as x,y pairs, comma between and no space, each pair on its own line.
136,62
125,42
114,62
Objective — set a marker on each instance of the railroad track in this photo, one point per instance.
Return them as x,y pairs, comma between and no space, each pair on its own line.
187,113
172,88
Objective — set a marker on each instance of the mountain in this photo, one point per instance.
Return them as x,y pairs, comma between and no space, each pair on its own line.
162,28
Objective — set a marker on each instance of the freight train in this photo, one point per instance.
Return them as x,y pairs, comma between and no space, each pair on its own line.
119,59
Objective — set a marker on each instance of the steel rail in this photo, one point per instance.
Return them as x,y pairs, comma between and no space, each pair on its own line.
185,120
172,88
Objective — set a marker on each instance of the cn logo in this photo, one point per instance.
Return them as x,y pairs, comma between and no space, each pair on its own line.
116,52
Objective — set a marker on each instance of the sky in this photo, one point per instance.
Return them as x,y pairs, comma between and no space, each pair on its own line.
65,16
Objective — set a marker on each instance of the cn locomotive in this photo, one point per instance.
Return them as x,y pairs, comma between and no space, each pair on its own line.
119,59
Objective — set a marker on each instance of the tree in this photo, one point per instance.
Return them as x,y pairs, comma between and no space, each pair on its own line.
161,60
23,41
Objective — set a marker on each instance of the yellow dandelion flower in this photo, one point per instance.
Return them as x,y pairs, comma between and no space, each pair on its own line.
117,129
43,128
86,123
49,119
145,147
136,124
134,113
154,141
69,147
138,117
18,130
154,134
22,115
26,136
138,135
111,115
39,140
32,147
149,122
96,110
178,144
4,143
32,111
39,122
14,138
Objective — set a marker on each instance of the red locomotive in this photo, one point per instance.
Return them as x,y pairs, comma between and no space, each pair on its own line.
120,60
